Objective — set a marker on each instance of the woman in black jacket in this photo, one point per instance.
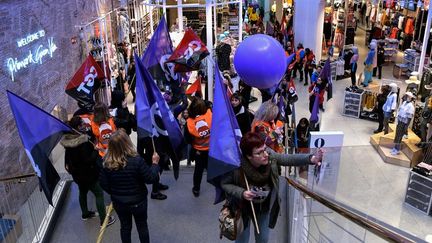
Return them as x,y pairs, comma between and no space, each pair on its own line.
80,162
243,116
124,176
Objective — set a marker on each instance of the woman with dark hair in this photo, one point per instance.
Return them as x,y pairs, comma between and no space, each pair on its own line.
80,162
257,180
243,116
102,127
120,112
381,99
197,133
303,133
124,176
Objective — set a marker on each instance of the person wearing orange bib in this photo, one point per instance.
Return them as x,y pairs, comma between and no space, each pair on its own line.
102,127
264,124
197,133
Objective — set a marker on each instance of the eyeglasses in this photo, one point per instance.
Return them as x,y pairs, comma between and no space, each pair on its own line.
259,153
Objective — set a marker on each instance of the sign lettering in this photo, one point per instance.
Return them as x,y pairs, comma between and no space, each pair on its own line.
35,56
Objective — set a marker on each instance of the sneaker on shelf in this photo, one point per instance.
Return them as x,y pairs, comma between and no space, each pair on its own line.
158,196
90,215
111,221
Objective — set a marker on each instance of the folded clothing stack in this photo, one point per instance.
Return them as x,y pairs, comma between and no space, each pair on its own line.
423,169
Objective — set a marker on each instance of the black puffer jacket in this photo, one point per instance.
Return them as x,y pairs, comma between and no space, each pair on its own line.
127,185
80,159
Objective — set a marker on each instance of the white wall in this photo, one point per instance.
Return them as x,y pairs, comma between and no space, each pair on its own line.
308,24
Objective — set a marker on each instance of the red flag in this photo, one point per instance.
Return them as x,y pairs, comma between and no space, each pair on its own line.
195,88
85,82
189,53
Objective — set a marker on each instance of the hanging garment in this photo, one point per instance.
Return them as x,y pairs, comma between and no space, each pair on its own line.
394,33
409,26
400,23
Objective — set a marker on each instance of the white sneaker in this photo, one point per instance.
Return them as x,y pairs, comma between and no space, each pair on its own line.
405,137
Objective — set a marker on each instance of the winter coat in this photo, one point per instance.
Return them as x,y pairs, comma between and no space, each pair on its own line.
244,119
80,159
127,185
232,183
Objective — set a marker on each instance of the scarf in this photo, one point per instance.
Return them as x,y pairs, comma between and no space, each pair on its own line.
256,176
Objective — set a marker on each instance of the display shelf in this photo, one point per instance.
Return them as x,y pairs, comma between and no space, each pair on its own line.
419,192
412,59
352,104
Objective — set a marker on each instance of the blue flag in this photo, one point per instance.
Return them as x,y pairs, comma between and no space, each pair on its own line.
225,135
154,117
326,75
158,51
39,132
315,109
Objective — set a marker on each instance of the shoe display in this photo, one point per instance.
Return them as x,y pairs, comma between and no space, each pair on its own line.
196,193
158,196
163,187
90,215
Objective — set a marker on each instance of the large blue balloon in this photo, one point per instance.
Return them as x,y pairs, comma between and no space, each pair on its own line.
260,61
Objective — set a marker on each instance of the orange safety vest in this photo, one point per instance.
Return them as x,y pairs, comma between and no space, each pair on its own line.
268,129
102,134
199,128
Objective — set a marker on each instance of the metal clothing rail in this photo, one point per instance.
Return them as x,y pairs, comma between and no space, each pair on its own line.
363,222
189,5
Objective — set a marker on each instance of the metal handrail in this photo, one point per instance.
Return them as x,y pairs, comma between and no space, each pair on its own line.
363,222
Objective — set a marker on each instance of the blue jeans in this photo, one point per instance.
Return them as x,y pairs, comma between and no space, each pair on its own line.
263,224
367,78
125,213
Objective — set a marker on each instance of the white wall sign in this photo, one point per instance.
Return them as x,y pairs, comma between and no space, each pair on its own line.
35,55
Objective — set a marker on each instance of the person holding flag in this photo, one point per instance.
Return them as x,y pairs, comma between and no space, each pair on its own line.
81,162
124,176
257,181
197,133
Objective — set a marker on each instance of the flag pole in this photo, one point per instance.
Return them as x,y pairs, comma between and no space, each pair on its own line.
154,152
253,209
105,223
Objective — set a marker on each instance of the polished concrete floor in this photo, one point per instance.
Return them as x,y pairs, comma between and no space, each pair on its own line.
365,183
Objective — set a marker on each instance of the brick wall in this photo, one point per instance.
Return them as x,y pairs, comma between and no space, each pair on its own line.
42,84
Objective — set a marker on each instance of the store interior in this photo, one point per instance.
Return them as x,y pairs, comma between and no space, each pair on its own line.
391,186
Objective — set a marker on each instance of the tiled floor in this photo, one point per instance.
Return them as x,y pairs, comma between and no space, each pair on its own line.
365,183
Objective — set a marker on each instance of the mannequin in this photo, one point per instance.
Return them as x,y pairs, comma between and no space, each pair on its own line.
405,114
369,65
389,106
